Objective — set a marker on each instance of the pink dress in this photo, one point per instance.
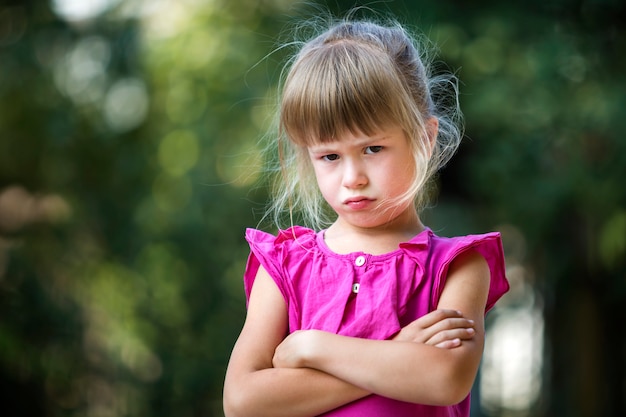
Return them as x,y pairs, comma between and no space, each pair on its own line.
367,296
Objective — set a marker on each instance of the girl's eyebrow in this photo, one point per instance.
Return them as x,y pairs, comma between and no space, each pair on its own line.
320,149
370,140
358,143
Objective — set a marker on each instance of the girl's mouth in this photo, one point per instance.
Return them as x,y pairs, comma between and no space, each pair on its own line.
358,203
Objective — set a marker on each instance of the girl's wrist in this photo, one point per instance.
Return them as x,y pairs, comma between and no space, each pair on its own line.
311,343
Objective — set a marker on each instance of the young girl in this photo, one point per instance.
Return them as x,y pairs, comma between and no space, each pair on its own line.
372,315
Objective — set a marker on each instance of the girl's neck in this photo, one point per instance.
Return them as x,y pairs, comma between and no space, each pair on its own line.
344,238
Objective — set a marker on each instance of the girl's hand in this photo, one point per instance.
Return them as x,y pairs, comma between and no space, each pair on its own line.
296,348
440,328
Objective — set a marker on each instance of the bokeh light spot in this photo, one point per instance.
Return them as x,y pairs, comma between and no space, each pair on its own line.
613,240
185,101
484,55
126,104
76,10
178,152
81,73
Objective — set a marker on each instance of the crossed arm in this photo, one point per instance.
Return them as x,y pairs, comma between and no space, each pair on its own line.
433,360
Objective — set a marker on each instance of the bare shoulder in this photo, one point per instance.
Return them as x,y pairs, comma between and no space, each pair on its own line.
467,284
469,262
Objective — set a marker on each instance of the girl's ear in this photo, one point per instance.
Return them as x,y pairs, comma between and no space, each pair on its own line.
432,129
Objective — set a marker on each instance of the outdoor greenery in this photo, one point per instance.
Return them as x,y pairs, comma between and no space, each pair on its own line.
129,170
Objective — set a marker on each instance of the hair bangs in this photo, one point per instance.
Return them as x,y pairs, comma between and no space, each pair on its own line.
338,87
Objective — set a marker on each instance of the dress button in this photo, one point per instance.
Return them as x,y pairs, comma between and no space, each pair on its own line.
359,261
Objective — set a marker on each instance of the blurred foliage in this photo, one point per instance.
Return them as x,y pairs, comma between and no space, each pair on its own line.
129,171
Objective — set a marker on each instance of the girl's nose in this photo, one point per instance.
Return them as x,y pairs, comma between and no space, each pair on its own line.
354,175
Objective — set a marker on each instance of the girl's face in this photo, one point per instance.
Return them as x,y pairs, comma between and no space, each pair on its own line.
364,178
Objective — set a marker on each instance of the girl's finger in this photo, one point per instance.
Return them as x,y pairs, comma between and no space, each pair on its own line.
437,316
449,344
449,335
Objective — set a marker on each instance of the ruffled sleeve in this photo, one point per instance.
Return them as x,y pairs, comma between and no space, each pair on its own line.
489,245
270,251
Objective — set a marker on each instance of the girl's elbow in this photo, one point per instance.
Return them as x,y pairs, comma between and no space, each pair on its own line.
457,380
446,396
450,388
455,389
235,403
230,406
455,395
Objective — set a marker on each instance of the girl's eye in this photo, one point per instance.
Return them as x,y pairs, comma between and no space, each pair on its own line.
330,157
373,149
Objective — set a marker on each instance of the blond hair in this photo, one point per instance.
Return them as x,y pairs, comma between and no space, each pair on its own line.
359,76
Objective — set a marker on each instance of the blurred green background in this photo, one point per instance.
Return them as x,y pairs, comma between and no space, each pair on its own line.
129,169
